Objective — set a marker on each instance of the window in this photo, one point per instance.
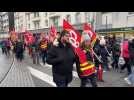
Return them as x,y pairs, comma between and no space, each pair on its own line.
36,14
107,18
87,15
28,25
68,17
28,16
55,21
45,14
36,24
77,18
46,22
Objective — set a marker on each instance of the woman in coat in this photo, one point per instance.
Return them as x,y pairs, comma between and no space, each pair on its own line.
104,54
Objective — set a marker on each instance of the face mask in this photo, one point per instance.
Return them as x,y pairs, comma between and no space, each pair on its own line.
86,37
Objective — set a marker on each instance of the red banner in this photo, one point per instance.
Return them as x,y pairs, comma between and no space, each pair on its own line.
29,38
75,40
52,34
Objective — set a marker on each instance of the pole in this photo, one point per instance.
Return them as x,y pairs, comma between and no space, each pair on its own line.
94,21
106,26
11,21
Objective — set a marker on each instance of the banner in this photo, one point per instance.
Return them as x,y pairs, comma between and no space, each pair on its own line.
86,68
29,38
52,34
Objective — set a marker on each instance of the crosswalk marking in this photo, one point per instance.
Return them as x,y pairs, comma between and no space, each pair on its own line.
43,76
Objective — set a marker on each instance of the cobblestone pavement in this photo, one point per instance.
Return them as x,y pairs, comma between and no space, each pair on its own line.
18,76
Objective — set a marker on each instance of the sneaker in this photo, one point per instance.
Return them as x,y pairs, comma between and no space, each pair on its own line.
128,82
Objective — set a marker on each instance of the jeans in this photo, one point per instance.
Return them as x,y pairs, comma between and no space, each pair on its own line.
44,55
35,57
115,63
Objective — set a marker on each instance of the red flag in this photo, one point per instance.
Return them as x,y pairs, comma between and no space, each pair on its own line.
52,34
29,38
75,36
75,39
87,29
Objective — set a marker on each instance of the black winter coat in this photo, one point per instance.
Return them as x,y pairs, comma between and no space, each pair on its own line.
62,59
103,54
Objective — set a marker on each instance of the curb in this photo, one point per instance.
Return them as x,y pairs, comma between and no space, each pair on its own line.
8,71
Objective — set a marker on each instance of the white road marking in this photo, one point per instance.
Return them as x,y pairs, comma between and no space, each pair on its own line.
74,72
45,77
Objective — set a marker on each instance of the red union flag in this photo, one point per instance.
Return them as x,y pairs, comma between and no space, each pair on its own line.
52,34
86,68
29,38
87,29
75,36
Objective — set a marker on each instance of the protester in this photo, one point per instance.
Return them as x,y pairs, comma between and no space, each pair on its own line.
19,49
130,78
126,56
35,52
43,49
104,54
3,46
61,57
86,47
116,54
131,51
8,46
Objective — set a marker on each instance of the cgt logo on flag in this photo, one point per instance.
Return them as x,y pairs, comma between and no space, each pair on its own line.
73,38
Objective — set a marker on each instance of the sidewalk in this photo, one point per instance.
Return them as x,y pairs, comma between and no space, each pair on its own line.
18,76
5,65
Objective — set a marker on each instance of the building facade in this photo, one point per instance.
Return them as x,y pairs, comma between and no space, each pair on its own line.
104,22
43,20
115,23
4,21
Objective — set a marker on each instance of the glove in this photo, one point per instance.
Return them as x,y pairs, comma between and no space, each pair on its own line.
56,43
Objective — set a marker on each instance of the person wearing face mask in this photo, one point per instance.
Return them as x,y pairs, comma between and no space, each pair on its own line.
62,58
86,47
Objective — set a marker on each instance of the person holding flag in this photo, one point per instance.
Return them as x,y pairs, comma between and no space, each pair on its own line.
86,69
43,49
62,58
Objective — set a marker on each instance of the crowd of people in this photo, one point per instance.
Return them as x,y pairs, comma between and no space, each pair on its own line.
59,53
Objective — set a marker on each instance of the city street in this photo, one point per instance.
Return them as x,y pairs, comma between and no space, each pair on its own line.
26,74
107,35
